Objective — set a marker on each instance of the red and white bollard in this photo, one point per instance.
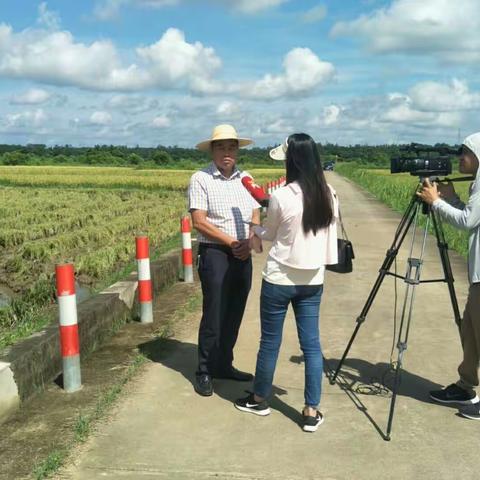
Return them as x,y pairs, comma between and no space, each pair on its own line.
187,256
145,296
69,343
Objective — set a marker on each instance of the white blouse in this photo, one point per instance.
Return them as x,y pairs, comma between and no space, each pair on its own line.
296,258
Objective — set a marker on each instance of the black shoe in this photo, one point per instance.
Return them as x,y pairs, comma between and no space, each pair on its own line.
203,384
454,394
471,411
233,374
248,404
310,423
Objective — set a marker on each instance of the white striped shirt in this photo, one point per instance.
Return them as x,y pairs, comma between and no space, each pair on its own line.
228,204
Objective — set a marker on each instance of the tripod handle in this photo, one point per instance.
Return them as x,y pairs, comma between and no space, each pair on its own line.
459,179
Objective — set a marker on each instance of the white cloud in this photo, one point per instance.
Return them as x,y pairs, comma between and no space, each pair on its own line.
110,9
280,126
36,118
377,119
161,121
394,113
253,6
227,108
315,14
132,103
170,63
29,55
303,73
406,114
34,96
441,28
48,19
100,118
156,3
331,114
438,97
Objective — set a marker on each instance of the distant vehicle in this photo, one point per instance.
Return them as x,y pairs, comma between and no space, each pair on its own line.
328,166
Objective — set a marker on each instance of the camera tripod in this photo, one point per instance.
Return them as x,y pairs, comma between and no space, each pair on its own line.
411,279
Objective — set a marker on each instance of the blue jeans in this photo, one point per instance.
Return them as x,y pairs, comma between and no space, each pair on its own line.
274,303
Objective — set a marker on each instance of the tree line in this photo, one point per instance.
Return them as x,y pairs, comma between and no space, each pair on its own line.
178,157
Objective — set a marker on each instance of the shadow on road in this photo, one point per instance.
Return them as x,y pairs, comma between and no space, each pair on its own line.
359,378
359,373
182,357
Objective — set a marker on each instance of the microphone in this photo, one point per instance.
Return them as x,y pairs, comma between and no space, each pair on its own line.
256,191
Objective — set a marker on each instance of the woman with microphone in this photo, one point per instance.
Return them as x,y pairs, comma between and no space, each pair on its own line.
301,224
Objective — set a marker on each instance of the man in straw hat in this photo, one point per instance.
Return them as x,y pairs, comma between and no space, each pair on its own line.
222,211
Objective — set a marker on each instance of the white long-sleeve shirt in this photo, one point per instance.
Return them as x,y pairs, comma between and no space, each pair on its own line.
466,217
296,258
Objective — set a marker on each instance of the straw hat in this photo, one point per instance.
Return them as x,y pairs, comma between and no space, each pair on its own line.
223,132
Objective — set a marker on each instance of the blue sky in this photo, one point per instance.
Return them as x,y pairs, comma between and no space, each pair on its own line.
152,72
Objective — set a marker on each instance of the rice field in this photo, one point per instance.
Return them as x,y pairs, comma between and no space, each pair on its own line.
85,215
396,192
108,177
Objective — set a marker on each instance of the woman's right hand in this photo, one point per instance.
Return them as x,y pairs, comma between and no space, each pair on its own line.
255,244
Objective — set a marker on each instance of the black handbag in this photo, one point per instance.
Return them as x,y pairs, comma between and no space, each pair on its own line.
345,252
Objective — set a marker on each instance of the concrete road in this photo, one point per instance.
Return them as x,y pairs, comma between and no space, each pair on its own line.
162,429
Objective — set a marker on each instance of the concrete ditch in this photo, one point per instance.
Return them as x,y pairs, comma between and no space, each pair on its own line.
29,365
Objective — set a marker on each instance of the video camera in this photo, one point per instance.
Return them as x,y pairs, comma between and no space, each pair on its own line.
424,160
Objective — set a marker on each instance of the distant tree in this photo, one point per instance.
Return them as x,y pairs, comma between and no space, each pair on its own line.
134,159
15,158
161,158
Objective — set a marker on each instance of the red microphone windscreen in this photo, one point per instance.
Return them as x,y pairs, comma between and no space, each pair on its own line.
256,191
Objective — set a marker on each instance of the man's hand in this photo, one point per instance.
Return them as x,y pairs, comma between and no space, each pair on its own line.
429,193
446,190
241,249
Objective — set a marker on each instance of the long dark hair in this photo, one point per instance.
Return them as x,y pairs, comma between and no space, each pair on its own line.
304,166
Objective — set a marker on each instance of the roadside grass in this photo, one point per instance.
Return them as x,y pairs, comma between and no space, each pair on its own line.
396,191
85,423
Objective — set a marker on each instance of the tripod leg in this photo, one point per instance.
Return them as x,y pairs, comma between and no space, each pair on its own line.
447,268
402,230
396,383
412,280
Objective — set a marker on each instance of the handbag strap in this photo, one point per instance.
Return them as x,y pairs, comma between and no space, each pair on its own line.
344,232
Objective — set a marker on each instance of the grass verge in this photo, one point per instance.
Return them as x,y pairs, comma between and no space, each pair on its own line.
85,422
396,191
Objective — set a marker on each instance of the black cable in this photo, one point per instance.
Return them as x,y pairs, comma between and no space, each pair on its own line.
381,386
394,315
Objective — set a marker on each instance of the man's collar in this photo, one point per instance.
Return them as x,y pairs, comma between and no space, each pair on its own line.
217,173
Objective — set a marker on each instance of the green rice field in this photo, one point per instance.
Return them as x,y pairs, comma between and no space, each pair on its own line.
85,215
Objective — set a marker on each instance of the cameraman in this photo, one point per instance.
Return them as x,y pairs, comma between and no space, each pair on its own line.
446,202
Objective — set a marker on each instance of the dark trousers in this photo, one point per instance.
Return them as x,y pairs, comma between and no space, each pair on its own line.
226,282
